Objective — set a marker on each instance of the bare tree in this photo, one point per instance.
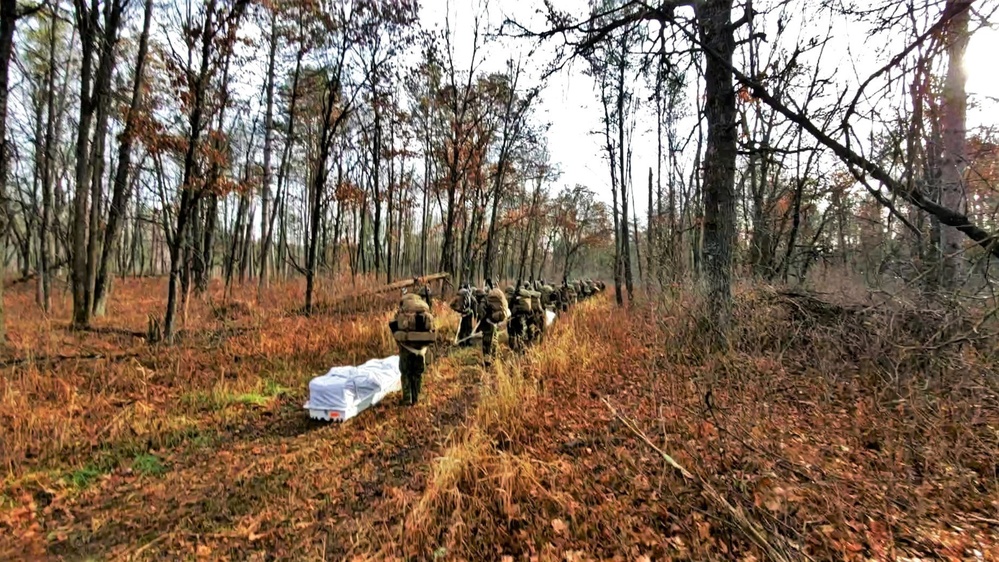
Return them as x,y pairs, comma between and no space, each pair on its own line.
953,130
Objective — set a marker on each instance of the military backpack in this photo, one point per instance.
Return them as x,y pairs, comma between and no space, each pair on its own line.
413,322
496,306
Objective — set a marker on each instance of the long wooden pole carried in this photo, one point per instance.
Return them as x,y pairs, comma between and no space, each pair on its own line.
397,286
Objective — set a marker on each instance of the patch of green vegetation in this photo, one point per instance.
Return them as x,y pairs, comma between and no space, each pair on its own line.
274,388
147,464
251,399
85,476
440,553
219,399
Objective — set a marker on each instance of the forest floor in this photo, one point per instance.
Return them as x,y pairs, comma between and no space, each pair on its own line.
816,436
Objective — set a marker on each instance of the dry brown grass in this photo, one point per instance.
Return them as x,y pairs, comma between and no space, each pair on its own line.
839,434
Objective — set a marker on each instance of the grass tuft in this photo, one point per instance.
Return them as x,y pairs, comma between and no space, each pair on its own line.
84,477
148,465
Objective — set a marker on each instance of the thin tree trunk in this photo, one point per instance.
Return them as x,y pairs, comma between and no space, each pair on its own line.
44,275
102,99
265,187
612,160
376,158
120,195
8,21
189,199
389,233
625,235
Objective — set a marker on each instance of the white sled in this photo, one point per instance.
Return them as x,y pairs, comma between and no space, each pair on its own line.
344,392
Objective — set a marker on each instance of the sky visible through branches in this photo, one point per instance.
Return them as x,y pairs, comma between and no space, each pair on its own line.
570,102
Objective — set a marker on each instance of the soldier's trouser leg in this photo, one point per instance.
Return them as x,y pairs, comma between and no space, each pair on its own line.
406,393
515,332
416,384
488,341
412,366
465,329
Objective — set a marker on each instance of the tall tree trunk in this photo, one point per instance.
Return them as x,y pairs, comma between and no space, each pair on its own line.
265,184
283,169
624,168
207,242
376,164
317,188
338,220
425,208
102,99
651,236
716,33
8,21
137,251
235,242
612,160
189,198
44,261
953,130
86,21
389,233
120,195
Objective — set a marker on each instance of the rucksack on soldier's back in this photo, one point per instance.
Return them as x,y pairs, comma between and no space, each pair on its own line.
496,301
526,301
462,302
536,304
413,321
522,303
546,294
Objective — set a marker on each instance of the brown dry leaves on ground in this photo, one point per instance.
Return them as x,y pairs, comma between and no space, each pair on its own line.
797,442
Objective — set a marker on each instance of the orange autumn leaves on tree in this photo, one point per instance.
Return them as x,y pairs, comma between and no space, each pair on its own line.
349,193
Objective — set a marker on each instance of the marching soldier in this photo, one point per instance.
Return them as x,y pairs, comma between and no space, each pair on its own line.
492,310
464,304
413,330
519,329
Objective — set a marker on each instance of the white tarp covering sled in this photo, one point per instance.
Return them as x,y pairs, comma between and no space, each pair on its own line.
344,392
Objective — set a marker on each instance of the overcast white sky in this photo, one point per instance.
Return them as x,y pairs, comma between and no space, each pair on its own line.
571,105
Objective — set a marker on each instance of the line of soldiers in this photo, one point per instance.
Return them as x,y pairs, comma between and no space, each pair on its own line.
523,307
483,310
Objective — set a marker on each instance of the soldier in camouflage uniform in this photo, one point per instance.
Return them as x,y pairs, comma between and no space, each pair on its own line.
488,314
412,352
518,326
563,297
538,317
464,304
